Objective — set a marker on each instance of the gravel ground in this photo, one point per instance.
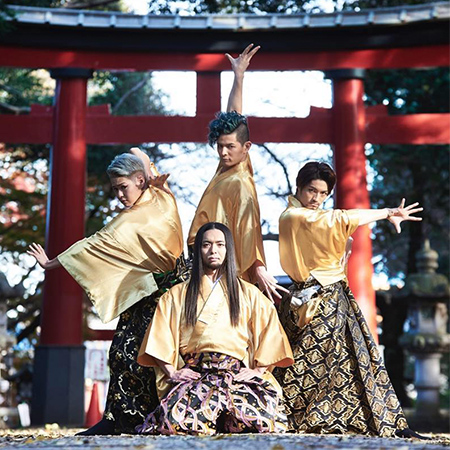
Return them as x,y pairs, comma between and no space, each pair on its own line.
53,437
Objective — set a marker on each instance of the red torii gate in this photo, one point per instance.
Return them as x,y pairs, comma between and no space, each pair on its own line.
70,125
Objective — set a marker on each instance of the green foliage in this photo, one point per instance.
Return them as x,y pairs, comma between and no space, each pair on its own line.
37,3
112,5
23,87
5,14
267,6
128,93
366,4
420,173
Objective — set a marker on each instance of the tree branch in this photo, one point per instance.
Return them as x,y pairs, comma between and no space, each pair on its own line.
281,163
136,87
11,90
14,109
29,329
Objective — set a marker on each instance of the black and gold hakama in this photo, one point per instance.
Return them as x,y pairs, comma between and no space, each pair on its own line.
132,388
338,383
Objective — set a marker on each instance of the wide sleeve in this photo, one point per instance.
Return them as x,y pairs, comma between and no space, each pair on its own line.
343,221
246,229
270,344
109,274
161,340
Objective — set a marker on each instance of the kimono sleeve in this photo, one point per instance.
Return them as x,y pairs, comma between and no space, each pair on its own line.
109,274
246,229
161,339
345,222
270,344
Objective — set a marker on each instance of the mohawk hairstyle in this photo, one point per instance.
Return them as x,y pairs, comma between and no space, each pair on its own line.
227,123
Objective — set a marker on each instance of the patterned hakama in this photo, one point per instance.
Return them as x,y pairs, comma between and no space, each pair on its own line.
338,382
132,390
217,403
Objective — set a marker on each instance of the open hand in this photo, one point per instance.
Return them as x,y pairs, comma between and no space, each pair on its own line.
159,181
239,65
246,374
268,284
184,374
403,213
38,252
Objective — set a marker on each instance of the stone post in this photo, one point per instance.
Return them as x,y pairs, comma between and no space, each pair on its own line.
426,336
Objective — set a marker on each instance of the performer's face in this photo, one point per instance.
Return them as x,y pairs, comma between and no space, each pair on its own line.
313,195
231,151
128,189
213,250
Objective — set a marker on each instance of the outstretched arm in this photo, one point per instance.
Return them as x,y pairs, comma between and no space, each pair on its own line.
38,252
239,66
395,215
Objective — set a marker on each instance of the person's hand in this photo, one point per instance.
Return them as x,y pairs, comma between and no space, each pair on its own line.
239,65
403,213
347,253
246,374
38,252
159,181
184,374
268,284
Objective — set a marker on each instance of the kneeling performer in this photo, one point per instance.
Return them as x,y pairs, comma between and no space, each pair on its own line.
201,338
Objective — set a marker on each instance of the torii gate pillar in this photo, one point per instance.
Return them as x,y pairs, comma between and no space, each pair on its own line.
351,188
58,384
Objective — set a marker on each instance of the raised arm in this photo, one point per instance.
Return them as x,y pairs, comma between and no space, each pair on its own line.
395,215
152,175
150,169
239,66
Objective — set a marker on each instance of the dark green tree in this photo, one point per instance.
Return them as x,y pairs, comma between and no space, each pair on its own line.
419,172
266,6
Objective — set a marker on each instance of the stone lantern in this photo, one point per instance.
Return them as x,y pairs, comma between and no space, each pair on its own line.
425,337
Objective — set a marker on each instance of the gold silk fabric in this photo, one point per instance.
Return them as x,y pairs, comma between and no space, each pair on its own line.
115,265
312,242
258,340
231,199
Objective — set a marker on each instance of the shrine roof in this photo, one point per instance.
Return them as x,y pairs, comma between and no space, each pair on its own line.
402,26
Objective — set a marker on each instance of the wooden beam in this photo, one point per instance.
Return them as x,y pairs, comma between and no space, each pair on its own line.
409,57
102,128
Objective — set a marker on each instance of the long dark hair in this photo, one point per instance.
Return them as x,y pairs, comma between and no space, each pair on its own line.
227,271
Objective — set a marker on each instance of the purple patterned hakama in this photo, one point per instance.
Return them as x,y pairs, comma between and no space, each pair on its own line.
216,403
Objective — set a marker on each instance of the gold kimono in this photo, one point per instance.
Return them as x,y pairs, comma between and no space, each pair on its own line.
231,199
338,383
312,241
259,332
115,265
